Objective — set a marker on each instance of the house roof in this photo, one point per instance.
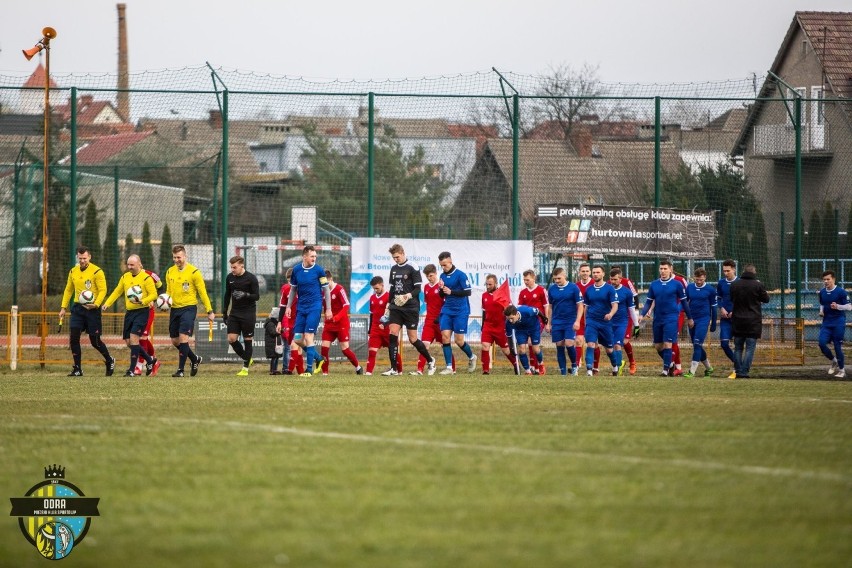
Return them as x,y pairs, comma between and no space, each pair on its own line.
37,79
551,172
88,110
830,36
102,149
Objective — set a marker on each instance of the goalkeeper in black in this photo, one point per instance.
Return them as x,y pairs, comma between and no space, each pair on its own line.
404,307
242,288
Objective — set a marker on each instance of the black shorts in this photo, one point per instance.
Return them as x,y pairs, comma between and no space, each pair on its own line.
135,322
182,321
404,317
86,320
242,324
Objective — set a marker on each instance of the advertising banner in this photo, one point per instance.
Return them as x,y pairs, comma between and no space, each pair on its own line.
505,259
637,231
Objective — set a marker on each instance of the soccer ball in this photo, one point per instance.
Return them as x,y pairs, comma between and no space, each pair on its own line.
134,294
86,297
164,302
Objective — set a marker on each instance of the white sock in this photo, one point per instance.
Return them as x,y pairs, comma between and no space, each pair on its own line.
693,367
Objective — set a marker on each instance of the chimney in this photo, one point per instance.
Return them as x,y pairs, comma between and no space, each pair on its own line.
122,99
581,139
215,120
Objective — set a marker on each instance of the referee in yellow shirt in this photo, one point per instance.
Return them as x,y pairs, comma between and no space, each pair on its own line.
137,311
86,317
185,284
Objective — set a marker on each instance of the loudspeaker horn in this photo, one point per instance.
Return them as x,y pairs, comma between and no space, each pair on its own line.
30,53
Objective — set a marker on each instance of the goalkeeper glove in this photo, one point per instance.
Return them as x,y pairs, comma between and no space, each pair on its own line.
401,300
384,319
636,331
238,294
543,318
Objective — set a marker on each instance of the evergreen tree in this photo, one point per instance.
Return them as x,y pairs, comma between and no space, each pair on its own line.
165,251
58,235
90,235
111,262
146,251
129,246
827,239
847,252
811,246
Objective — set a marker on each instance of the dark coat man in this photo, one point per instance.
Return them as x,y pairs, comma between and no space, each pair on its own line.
748,294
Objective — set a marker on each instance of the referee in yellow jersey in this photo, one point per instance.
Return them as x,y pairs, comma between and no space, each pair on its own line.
86,317
137,310
185,284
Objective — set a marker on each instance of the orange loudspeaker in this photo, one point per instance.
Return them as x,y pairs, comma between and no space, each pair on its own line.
48,34
30,53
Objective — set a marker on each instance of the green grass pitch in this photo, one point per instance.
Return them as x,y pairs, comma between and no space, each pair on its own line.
436,471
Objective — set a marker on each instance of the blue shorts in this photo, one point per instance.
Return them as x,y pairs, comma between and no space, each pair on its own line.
523,336
726,329
599,333
562,333
135,322
831,333
86,320
455,322
699,332
665,330
619,331
307,321
182,321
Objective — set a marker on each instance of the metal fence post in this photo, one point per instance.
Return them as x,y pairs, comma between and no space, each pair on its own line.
72,241
225,205
371,139
516,201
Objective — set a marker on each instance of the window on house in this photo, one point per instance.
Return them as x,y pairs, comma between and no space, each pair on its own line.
790,98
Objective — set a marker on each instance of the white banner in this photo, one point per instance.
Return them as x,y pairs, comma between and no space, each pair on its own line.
505,259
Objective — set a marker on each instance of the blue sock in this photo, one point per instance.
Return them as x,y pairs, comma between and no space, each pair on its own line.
726,347
448,354
616,358
667,358
590,357
539,357
826,351
134,356
467,350
525,361
560,359
841,359
572,355
310,356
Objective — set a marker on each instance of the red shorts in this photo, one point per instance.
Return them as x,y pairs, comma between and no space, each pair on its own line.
431,333
680,320
338,330
379,339
496,335
582,330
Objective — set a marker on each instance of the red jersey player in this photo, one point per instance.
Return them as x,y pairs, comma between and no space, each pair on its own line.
285,328
493,325
337,328
677,370
534,296
144,339
379,331
431,325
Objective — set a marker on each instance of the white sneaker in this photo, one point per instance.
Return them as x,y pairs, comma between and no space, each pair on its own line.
471,364
390,373
447,371
590,373
414,373
841,374
368,374
430,368
833,368
575,371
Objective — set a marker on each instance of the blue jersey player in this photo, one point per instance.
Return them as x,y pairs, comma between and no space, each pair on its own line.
624,316
833,303
702,303
601,304
565,311
667,295
522,324
308,281
455,287
726,309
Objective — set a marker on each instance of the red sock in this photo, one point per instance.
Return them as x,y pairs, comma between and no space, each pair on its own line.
297,361
675,354
579,351
147,346
486,359
398,362
512,359
324,352
597,357
421,363
628,348
454,362
351,356
371,360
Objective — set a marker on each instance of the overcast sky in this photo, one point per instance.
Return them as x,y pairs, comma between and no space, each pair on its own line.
650,41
